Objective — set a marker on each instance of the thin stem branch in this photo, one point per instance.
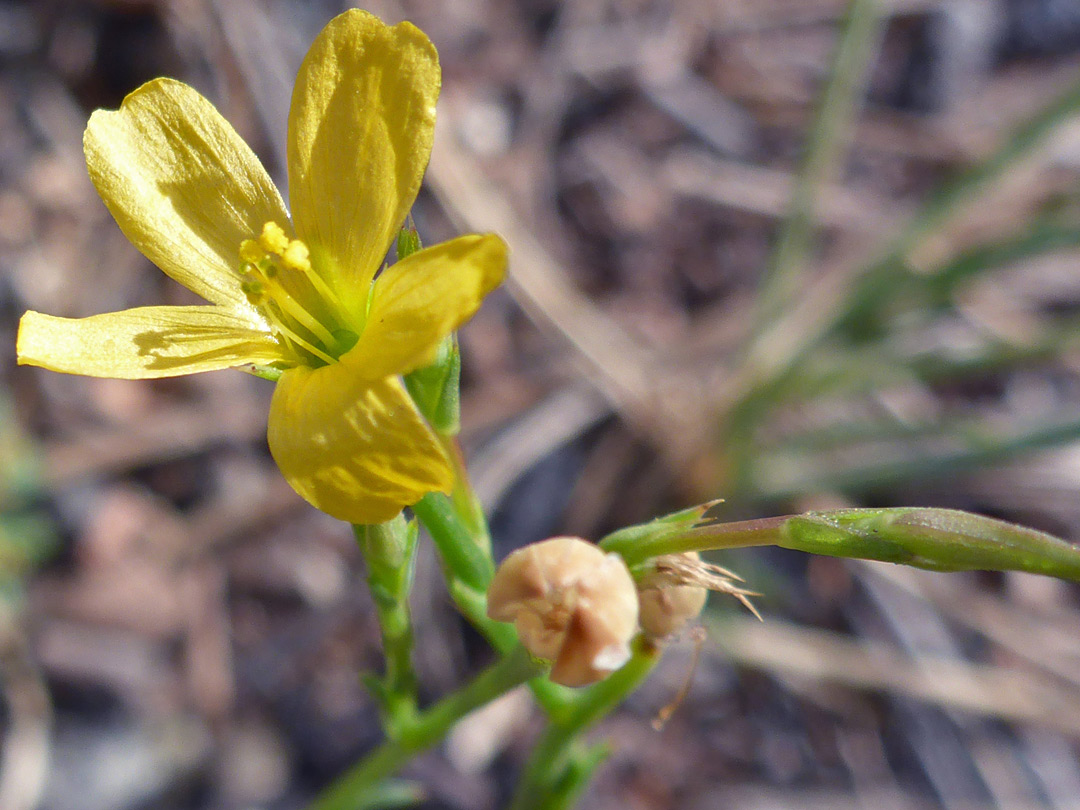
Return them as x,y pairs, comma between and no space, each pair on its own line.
469,569
556,750
426,730
463,552
759,532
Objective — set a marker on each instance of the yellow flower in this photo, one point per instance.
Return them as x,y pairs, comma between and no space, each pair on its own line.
293,292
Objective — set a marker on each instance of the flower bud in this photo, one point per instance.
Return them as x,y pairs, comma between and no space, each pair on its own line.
572,604
666,603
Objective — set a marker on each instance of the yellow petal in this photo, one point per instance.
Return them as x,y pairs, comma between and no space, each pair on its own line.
145,342
423,298
360,134
182,185
355,449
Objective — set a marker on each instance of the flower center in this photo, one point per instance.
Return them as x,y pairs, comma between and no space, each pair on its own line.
279,281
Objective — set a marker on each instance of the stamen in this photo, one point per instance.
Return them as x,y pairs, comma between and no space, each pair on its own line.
292,337
297,257
264,265
273,238
290,306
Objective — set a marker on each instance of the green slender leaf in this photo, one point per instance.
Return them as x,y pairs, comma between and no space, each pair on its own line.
644,534
937,539
1040,237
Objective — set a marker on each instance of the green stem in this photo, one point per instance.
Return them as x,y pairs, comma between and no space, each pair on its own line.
468,572
557,749
760,532
390,552
579,770
427,729
463,553
829,133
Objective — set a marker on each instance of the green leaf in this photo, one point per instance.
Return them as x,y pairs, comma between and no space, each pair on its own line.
937,539
655,531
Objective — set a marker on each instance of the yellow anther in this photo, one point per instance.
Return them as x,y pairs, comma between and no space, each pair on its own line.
296,310
250,251
273,239
296,256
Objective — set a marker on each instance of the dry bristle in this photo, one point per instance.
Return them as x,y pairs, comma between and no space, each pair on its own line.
698,636
681,570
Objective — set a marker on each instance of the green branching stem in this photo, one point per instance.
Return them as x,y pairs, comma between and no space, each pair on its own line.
428,728
468,568
561,763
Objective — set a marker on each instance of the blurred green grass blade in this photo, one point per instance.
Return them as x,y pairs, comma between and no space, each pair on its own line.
27,539
28,535
829,134
997,355
1025,139
845,371
780,475
20,463
937,539
935,290
880,281
876,287
1041,237
834,437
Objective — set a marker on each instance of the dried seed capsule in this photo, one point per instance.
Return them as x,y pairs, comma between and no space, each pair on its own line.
571,603
666,604
673,593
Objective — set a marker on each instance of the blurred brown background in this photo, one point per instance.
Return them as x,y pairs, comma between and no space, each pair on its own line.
179,630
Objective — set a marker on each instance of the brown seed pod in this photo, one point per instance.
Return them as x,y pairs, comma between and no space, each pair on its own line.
667,605
673,593
571,603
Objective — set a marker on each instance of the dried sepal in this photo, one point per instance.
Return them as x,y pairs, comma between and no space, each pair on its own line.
572,604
